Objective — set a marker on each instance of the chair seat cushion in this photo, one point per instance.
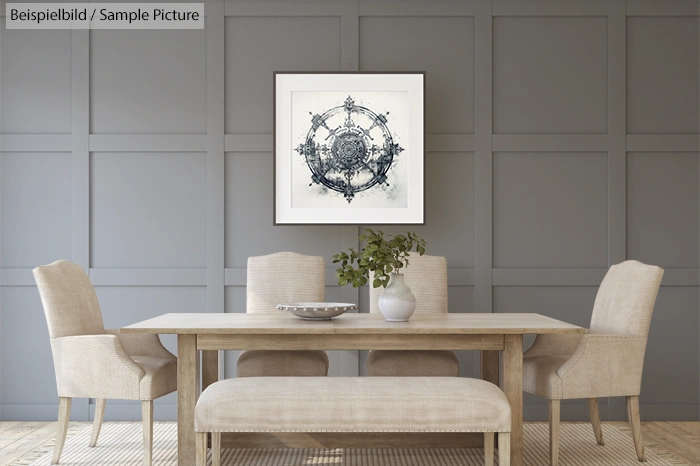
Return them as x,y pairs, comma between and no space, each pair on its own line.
160,376
263,363
412,363
540,376
352,404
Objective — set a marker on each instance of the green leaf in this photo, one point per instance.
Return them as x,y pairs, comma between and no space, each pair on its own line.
381,255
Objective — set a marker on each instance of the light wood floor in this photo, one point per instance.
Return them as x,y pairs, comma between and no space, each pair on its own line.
682,438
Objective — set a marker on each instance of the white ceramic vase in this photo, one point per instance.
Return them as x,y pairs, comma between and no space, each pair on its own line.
397,303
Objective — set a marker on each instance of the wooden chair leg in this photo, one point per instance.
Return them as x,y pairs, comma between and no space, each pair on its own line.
216,449
63,421
147,420
488,449
504,449
97,423
554,416
201,448
595,420
636,424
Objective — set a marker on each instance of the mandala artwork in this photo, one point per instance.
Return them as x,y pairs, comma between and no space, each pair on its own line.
349,149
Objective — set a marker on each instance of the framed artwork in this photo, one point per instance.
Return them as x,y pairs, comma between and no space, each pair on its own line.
349,148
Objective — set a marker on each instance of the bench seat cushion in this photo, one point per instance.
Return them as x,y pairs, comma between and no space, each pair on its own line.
352,404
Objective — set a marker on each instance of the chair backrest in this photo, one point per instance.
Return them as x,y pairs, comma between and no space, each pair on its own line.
284,277
427,278
625,299
69,299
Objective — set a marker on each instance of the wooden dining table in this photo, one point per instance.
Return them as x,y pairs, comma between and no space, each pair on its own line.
498,336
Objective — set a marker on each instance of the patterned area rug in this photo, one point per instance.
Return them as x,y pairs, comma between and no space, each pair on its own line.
121,444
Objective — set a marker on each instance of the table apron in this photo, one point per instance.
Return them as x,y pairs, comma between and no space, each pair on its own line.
350,342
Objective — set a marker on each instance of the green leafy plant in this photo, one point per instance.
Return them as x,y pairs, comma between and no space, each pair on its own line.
381,254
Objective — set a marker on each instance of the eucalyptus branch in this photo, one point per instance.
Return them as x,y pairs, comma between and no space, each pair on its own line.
381,255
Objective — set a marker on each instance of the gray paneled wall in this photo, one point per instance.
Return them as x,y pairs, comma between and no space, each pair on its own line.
562,138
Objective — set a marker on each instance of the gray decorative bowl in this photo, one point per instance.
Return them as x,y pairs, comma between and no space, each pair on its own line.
317,311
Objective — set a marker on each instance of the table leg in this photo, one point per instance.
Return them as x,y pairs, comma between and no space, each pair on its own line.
187,391
489,366
513,388
210,368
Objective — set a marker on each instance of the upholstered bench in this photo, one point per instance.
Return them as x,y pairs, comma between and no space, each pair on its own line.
353,404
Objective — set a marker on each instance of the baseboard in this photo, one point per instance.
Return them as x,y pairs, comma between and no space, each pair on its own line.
574,410
577,410
116,410
42,411
119,410
669,411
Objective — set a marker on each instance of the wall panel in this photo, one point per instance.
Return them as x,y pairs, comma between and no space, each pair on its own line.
662,70
35,81
550,209
549,75
657,234
35,192
443,47
155,88
256,47
135,225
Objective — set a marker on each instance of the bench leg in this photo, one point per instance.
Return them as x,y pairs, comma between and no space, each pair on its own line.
201,448
504,449
216,449
488,448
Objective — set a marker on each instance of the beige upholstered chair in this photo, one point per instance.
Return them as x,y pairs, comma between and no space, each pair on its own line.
280,278
605,362
92,362
427,277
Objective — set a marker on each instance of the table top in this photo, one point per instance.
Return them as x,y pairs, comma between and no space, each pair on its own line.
279,322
